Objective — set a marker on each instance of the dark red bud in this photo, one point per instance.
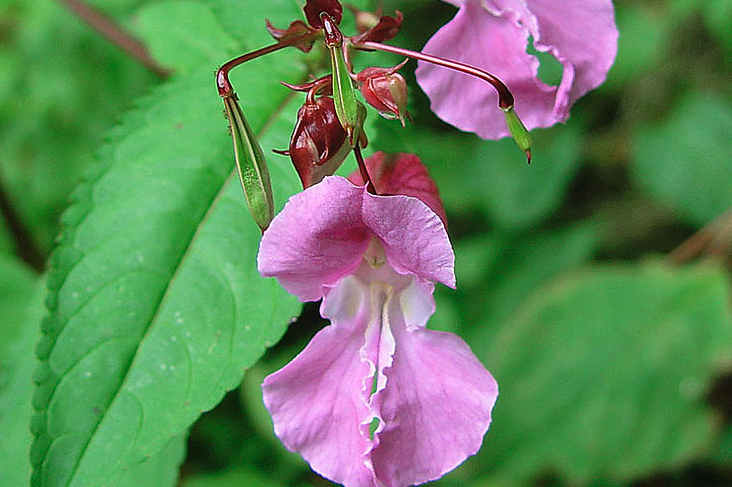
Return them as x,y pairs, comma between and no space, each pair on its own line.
386,28
313,9
318,144
296,29
385,90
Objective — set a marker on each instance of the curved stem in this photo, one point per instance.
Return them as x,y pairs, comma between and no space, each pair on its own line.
505,98
362,169
222,75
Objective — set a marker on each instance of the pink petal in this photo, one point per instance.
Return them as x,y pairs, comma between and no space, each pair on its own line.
402,174
316,239
494,36
414,238
435,408
318,401
322,233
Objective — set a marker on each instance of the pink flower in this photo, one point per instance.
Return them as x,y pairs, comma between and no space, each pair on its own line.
493,35
373,260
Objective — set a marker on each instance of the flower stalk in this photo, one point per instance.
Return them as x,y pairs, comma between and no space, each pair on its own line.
505,98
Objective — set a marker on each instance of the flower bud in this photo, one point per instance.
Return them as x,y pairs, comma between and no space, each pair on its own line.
318,145
385,90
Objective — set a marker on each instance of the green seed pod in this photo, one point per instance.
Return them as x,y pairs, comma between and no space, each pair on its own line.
516,128
250,164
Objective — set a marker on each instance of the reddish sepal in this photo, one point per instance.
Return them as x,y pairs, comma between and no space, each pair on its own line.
296,29
387,28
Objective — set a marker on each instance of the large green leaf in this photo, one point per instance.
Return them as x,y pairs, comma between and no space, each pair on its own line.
156,304
604,374
684,161
21,309
183,34
510,268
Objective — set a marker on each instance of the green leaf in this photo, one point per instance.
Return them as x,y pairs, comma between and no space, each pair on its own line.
21,309
510,268
235,478
514,194
718,16
62,86
156,304
723,455
183,34
159,470
245,20
644,31
684,161
604,375
6,240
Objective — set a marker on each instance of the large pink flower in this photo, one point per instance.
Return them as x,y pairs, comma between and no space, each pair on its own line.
493,35
374,261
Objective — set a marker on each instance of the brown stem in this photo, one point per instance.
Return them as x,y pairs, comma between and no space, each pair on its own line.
362,169
505,98
115,34
711,239
222,75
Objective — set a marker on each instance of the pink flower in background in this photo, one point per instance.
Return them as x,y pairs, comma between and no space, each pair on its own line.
493,35
374,261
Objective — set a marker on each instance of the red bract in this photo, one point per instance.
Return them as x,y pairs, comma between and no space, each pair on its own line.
296,29
385,90
313,9
386,28
318,144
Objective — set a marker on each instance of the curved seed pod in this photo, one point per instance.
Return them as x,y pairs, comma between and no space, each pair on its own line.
250,164
344,94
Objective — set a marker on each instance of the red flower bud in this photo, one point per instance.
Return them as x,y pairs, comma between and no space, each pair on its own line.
318,145
313,9
385,90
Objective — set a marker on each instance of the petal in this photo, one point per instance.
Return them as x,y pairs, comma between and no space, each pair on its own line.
414,238
402,174
317,238
435,408
582,35
493,35
322,233
318,401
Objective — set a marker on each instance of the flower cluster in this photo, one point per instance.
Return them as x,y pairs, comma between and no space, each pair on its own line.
376,399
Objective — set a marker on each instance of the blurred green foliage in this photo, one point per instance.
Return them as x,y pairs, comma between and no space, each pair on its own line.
613,353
